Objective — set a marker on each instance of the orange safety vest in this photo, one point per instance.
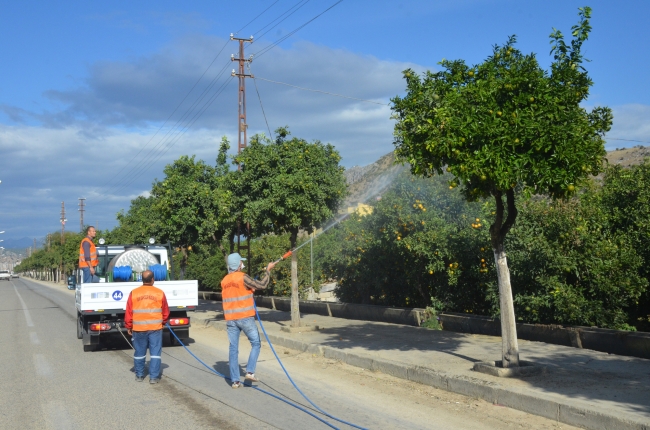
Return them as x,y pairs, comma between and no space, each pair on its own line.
94,261
236,298
147,303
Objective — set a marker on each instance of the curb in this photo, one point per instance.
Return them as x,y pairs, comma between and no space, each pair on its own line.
467,386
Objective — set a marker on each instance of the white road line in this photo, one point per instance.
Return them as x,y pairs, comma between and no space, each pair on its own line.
42,366
57,416
22,302
33,337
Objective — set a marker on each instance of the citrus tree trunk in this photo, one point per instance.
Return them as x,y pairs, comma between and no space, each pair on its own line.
498,231
295,295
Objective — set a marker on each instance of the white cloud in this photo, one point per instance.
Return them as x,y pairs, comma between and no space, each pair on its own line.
631,122
103,141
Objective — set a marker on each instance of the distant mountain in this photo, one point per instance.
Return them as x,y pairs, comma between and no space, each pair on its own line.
365,183
20,244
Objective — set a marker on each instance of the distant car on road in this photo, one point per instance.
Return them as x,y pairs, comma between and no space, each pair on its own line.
5,275
14,275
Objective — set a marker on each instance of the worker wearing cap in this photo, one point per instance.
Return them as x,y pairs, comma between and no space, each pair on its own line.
88,260
239,311
147,312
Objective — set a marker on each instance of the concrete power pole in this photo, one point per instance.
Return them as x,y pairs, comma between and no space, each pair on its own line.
63,220
82,202
242,127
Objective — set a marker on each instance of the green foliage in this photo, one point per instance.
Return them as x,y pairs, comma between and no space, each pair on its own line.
566,265
287,185
138,224
625,201
269,248
568,269
505,121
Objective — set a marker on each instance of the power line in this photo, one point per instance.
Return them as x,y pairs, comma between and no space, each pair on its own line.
323,92
260,99
138,170
260,14
626,140
282,39
297,7
172,114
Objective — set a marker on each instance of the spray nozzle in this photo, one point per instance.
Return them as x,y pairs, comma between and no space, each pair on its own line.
285,256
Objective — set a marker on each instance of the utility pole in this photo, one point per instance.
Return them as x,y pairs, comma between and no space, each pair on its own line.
63,220
82,202
242,127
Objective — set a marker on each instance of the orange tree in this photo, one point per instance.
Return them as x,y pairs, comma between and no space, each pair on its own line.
285,186
502,124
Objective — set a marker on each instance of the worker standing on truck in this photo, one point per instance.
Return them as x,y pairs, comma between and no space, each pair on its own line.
239,311
88,259
147,312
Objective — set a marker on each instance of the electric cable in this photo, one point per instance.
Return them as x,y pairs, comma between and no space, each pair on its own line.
282,39
626,140
260,99
260,14
323,92
172,114
304,2
137,171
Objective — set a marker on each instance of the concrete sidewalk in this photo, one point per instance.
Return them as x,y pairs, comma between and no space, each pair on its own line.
583,388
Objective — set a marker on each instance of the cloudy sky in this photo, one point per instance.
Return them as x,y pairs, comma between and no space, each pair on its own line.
96,97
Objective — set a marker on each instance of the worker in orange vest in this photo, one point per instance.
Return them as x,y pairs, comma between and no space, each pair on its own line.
88,259
239,311
147,312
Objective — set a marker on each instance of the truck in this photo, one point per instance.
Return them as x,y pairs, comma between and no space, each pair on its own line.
5,275
101,306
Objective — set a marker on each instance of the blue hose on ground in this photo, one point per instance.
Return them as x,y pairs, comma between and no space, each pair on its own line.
257,388
293,383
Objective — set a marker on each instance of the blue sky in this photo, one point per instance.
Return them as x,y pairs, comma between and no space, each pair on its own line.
85,86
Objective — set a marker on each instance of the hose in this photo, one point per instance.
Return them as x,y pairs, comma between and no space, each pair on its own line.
159,272
293,383
252,386
122,273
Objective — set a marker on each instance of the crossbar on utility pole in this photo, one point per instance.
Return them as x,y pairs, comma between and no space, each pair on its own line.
242,127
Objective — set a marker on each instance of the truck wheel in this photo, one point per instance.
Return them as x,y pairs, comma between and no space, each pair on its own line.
80,333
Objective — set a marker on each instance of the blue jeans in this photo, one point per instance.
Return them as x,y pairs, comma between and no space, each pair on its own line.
87,276
235,327
142,340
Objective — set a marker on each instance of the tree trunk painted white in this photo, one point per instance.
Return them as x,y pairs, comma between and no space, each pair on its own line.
295,297
509,345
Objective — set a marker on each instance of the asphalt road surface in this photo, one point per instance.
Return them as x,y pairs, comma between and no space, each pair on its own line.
49,382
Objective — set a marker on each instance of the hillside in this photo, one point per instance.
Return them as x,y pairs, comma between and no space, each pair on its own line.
368,182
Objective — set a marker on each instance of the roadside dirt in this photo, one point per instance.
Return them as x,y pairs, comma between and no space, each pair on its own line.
420,403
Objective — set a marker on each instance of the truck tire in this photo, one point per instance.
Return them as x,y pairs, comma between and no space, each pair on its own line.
80,333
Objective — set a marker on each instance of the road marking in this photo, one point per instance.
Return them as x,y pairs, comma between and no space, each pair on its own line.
57,416
33,337
22,302
42,366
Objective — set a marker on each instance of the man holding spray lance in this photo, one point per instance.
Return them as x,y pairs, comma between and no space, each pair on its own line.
239,311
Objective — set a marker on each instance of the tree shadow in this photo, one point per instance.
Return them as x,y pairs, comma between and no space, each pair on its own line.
572,372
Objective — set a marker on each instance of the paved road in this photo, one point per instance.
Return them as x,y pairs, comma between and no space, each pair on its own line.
49,382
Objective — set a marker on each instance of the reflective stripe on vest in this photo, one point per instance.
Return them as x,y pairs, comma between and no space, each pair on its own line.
146,303
94,261
237,300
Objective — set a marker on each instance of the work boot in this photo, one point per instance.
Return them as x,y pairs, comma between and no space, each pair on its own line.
139,378
236,384
251,377
154,381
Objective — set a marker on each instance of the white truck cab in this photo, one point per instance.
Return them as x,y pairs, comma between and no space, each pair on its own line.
101,306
